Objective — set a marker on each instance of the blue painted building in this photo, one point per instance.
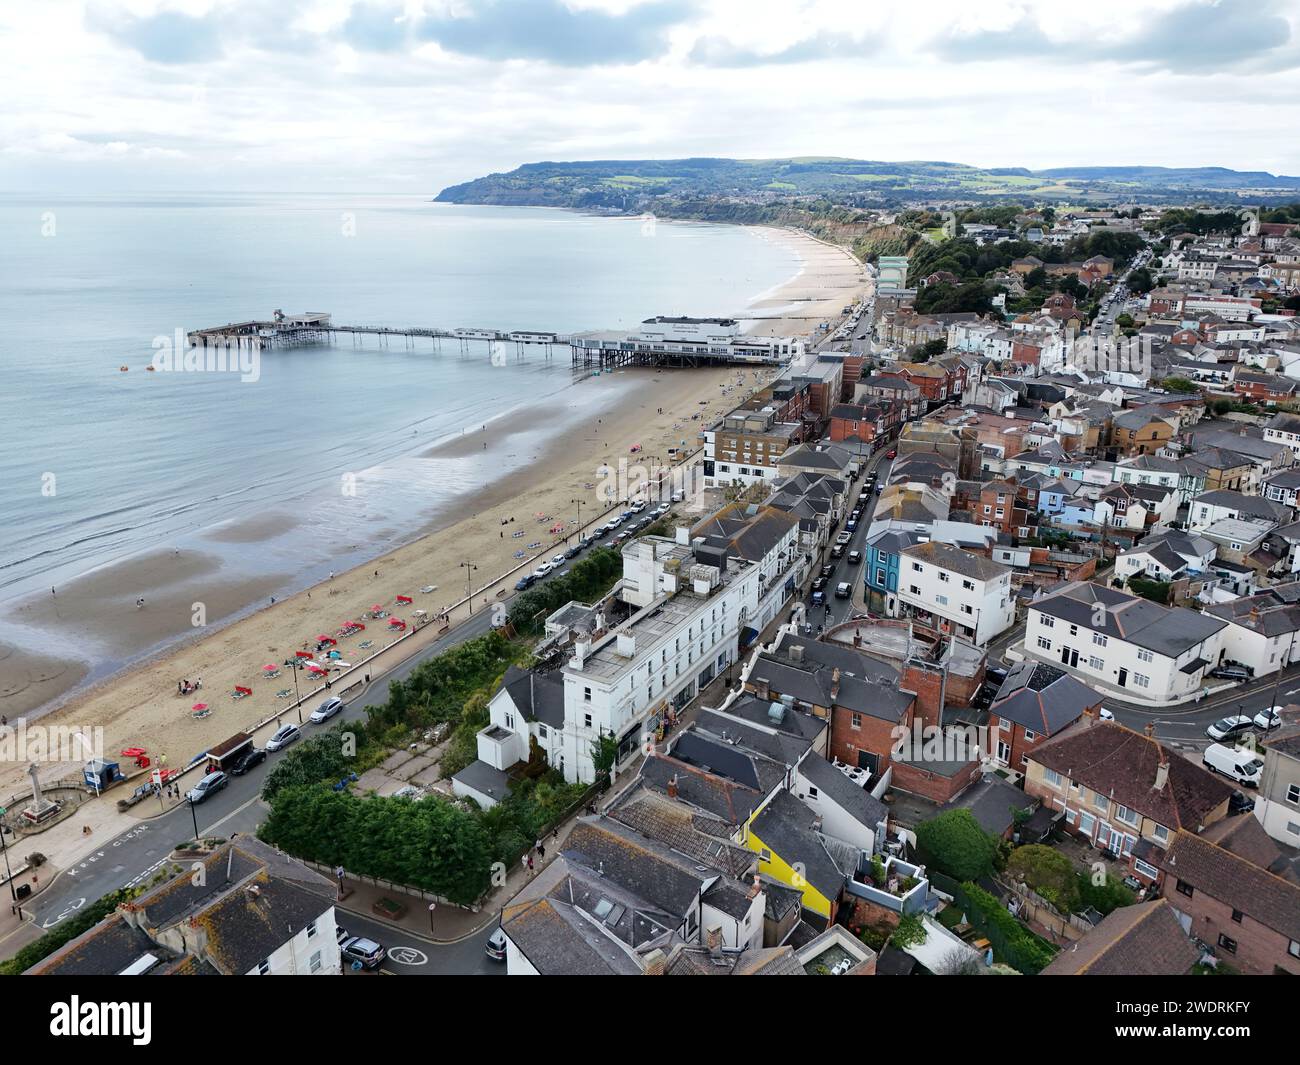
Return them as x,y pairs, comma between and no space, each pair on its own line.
881,568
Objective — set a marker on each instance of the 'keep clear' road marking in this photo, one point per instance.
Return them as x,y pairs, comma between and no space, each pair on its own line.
408,956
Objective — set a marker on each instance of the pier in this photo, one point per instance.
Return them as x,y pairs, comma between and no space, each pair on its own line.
661,342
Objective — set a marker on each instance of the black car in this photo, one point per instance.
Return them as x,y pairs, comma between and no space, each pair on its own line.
1239,803
525,581
819,584
855,557
837,551
574,551
1230,673
827,570
247,760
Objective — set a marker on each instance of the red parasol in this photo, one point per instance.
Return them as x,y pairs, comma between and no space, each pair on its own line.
199,706
302,654
405,599
396,623
246,691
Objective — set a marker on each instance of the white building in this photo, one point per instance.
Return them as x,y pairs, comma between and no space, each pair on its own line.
690,604
1163,557
1214,506
1263,630
960,593
1128,644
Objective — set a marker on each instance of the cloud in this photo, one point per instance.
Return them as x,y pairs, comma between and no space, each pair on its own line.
548,30
167,37
1195,37
720,52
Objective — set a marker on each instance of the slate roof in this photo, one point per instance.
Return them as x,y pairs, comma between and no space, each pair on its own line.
956,560
485,779
538,696
1245,506
619,855
1042,698
1235,882
559,941
867,685
1141,940
1271,612
760,961
1246,838
697,834
852,798
1168,631
785,826
1108,758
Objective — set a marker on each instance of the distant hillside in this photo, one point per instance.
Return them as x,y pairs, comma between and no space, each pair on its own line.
746,186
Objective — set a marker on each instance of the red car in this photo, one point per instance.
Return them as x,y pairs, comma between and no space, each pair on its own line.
892,455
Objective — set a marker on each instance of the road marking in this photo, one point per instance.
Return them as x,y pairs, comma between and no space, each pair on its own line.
408,956
73,907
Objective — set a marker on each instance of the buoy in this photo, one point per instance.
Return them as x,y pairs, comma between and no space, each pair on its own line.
124,368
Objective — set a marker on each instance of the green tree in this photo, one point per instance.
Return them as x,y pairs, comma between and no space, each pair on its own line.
955,844
1047,871
910,932
1179,384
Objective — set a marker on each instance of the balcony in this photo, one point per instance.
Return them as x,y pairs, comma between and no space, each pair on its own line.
892,883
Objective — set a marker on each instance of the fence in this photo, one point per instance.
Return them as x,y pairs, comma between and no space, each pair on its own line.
1041,911
389,885
1011,941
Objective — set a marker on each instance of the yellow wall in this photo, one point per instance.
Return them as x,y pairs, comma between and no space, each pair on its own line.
777,869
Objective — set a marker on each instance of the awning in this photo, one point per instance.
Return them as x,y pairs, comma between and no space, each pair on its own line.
1194,665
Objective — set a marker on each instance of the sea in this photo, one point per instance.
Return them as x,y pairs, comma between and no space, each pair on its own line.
101,464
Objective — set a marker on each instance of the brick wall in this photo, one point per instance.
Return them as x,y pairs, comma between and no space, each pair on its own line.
1259,948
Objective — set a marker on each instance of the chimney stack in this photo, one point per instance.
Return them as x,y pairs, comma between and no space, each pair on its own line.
656,963
713,939
672,787
835,684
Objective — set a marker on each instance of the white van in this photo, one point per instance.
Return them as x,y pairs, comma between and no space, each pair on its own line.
1237,763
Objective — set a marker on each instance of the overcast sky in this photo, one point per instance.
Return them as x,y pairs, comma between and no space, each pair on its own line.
321,95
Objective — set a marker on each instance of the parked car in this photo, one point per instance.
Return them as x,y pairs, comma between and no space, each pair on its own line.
574,551
283,737
843,590
209,785
326,710
541,571
892,454
246,761
1105,714
1268,718
855,557
496,945
366,951
1228,727
827,570
851,525
557,561
1240,803
1233,762
676,497
837,551
663,508
819,599
639,506
843,538
1230,673
526,581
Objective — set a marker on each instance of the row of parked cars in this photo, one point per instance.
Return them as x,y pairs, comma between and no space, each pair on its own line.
634,525
286,734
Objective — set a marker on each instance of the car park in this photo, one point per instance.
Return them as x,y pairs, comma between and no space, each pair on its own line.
209,785
253,757
1268,718
1229,727
327,709
364,951
843,590
284,736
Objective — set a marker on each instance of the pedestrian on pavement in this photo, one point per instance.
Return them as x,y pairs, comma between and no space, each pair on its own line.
530,862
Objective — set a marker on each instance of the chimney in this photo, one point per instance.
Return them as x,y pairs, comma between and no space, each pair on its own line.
835,684
761,689
1150,729
656,963
796,653
1162,770
672,787
756,887
713,939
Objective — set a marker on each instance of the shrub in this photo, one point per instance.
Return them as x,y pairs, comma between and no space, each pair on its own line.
955,844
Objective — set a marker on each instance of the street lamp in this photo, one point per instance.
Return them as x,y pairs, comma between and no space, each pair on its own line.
292,663
4,846
195,818
469,569
578,500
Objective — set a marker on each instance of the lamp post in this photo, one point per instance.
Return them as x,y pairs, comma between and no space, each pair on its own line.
4,846
194,817
292,663
578,500
469,569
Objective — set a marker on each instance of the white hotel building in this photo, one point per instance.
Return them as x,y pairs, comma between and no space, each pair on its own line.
1130,645
690,603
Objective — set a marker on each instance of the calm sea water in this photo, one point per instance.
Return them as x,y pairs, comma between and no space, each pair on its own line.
99,465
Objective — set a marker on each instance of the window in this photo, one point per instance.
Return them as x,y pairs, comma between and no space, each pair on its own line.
1184,888
812,793
916,566
765,855
1293,948
942,600
315,962
1030,735
1127,816
1141,680
1044,643
880,576
264,966
311,930
586,721
586,694
1238,916
1293,794
1100,801
1161,833
1095,663
1230,945
943,576
966,608
914,589
1052,777
1149,871
968,585
1145,656
855,721
1048,623
1099,639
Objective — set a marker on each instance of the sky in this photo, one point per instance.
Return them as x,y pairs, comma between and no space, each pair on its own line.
408,97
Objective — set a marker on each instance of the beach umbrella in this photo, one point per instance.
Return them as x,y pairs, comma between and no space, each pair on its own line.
396,623
302,654
314,668
199,706
270,667
405,599
246,691
377,606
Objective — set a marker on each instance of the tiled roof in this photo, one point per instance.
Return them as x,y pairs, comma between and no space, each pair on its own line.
1141,940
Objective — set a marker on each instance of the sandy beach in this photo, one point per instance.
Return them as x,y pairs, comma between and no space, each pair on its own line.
140,706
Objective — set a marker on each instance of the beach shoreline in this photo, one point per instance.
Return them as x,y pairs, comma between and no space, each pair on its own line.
138,704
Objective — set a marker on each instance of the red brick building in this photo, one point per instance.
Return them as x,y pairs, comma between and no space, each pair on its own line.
1035,703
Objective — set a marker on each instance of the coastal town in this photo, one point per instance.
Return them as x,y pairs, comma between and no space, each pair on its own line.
957,642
